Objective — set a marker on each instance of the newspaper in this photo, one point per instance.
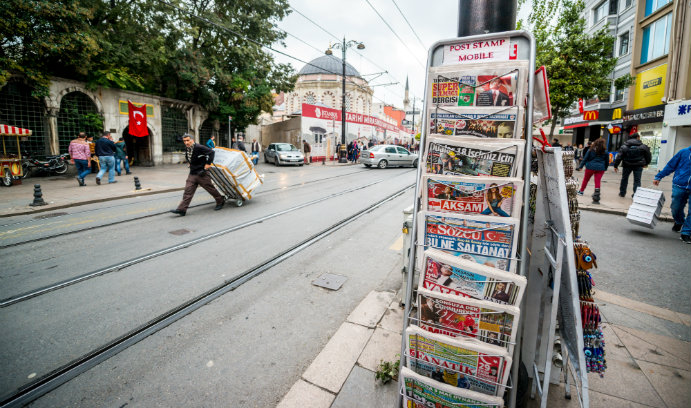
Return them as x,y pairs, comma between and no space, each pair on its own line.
236,173
423,392
474,157
460,363
452,275
500,197
486,240
502,123
500,84
455,316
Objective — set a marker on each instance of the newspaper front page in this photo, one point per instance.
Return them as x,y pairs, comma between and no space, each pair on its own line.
452,275
455,316
501,197
480,122
460,363
422,392
471,156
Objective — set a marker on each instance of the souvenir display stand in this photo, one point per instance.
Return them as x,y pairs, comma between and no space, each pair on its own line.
470,228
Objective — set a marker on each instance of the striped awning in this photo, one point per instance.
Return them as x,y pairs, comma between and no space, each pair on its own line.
13,131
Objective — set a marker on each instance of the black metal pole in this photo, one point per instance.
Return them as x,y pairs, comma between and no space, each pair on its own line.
485,16
342,157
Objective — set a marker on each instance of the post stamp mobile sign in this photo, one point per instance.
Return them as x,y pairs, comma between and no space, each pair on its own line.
499,49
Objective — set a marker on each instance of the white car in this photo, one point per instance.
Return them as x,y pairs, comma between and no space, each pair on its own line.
384,156
283,153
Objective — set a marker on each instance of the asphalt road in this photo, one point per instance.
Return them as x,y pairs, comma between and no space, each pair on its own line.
251,344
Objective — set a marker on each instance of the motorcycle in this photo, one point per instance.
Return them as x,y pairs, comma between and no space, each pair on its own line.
52,164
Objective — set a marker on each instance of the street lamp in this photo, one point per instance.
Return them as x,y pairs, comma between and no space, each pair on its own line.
344,46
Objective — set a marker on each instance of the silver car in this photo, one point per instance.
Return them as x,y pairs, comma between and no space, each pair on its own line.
384,156
283,153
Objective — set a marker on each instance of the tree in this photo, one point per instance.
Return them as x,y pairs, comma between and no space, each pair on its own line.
578,65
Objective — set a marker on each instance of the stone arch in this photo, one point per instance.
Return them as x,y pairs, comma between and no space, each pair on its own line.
139,149
55,101
310,98
329,99
360,105
77,113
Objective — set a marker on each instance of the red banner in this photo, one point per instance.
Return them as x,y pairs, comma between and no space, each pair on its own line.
137,115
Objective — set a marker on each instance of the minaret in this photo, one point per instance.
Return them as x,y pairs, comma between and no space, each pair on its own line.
406,99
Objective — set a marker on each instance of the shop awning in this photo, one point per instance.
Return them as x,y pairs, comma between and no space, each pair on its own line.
6,130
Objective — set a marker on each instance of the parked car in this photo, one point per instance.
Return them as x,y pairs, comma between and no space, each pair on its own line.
384,156
283,153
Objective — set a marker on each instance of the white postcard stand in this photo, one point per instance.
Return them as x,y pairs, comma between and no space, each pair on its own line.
478,101
646,208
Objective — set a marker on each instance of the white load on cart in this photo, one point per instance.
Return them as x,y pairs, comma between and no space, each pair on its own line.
234,175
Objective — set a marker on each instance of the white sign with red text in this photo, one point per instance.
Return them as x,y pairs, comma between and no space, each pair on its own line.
498,49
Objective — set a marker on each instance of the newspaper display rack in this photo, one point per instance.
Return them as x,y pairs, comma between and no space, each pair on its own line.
469,224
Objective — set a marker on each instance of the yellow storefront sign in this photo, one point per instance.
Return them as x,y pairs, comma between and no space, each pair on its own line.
650,87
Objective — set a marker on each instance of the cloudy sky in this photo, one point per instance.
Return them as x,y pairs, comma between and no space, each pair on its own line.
396,49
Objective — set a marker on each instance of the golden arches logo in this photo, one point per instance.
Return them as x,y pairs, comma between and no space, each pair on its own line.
591,115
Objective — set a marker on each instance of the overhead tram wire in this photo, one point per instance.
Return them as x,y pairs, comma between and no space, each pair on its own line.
262,45
396,34
409,25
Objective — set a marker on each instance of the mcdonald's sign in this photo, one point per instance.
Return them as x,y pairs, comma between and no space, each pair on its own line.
591,115
616,114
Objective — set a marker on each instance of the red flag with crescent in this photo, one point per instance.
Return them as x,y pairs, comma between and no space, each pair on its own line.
137,126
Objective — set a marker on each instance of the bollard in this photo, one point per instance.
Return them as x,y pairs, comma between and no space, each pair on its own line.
137,186
38,196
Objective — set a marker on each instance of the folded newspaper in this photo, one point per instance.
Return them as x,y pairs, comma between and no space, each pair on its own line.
495,196
239,175
474,157
455,316
498,84
483,239
422,392
452,275
461,363
502,123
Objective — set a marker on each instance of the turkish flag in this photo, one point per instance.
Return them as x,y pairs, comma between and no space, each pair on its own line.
137,120
580,106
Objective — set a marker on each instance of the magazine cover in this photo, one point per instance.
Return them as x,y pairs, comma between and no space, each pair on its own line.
486,240
499,197
460,363
455,316
478,84
474,157
452,275
503,123
423,392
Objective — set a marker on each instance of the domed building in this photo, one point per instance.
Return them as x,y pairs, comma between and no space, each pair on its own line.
320,82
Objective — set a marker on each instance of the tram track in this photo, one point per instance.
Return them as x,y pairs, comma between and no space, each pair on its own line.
67,372
152,214
136,260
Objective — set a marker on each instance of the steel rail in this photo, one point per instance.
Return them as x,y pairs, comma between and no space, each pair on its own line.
56,378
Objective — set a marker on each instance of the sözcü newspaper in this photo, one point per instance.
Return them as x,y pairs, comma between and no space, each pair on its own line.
455,316
473,195
501,123
472,156
422,392
460,363
483,239
452,275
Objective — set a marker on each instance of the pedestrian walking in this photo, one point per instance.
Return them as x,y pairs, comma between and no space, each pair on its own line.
80,155
596,162
555,143
307,149
211,143
105,150
256,148
199,158
241,144
680,165
578,154
633,156
121,157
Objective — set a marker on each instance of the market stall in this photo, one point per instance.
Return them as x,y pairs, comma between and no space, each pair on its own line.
11,160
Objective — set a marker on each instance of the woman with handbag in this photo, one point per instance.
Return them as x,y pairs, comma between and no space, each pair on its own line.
596,161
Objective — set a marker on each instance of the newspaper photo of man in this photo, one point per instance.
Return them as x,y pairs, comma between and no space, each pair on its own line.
495,95
500,293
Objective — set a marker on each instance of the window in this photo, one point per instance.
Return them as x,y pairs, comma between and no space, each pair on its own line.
656,39
402,150
618,95
600,11
310,98
652,6
627,3
624,44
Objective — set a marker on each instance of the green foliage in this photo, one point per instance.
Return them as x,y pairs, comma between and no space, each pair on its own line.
578,65
387,371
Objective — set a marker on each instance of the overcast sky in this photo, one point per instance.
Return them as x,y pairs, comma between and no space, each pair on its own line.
432,20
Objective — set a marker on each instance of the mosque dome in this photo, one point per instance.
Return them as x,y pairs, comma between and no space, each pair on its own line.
328,64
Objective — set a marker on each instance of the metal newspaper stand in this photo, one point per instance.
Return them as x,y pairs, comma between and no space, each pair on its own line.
521,47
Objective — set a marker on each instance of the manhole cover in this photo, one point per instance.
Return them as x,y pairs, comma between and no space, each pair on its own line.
330,281
51,215
180,232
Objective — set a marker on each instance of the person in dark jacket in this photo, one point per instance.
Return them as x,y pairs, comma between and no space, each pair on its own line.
633,156
200,158
680,165
105,150
596,162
